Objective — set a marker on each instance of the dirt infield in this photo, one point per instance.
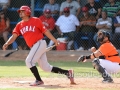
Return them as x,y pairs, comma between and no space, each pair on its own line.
55,83
62,83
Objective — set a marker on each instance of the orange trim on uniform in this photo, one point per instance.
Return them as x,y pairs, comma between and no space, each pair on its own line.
107,49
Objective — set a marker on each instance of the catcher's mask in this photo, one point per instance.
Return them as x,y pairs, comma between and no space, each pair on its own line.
102,34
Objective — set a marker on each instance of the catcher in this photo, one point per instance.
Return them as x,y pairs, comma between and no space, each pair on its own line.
106,59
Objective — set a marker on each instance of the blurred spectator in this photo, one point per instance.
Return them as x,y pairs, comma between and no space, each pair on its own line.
78,1
104,23
94,8
73,5
103,2
4,4
66,25
4,27
87,29
116,36
54,7
48,21
112,8
39,3
97,0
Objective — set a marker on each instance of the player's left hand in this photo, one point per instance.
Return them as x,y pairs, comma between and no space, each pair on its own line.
81,59
5,46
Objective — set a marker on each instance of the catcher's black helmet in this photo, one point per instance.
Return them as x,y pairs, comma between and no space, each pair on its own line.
105,34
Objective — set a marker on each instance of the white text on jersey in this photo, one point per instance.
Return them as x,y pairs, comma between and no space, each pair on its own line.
27,28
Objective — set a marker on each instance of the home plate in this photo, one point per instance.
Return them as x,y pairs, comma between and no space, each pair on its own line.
22,82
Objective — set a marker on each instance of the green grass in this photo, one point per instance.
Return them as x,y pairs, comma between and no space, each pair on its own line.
11,69
16,68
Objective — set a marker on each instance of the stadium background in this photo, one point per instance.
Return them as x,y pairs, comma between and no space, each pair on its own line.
37,10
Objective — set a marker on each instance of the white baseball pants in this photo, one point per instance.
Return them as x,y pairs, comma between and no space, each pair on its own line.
111,67
38,54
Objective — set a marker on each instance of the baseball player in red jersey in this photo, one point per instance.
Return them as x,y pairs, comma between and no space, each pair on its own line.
32,29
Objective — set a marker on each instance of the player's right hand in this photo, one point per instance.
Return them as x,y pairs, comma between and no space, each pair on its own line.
93,49
81,59
57,42
5,46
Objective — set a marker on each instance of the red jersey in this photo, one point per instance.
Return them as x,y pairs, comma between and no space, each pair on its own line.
107,49
48,22
32,30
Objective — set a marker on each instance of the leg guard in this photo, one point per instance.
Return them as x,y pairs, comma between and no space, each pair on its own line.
101,70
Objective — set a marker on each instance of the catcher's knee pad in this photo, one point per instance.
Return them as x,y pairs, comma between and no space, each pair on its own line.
96,63
97,66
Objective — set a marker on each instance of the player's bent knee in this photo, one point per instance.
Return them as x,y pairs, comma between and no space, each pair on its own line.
29,64
47,68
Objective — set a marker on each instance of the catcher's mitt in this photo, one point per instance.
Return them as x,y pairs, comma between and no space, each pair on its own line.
81,58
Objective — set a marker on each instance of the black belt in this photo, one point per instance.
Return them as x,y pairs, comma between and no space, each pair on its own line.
103,57
114,55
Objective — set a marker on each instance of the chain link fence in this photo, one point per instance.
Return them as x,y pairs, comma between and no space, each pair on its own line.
37,10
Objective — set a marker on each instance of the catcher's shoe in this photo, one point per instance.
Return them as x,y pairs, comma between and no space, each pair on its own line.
71,76
37,83
107,81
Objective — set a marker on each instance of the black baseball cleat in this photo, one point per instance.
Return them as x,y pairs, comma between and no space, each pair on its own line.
108,81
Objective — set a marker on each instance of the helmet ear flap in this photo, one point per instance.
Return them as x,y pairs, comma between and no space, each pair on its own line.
107,34
27,12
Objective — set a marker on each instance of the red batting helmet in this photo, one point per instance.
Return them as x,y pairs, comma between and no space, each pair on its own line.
26,9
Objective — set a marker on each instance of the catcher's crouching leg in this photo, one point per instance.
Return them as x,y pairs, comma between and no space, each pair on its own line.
102,71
